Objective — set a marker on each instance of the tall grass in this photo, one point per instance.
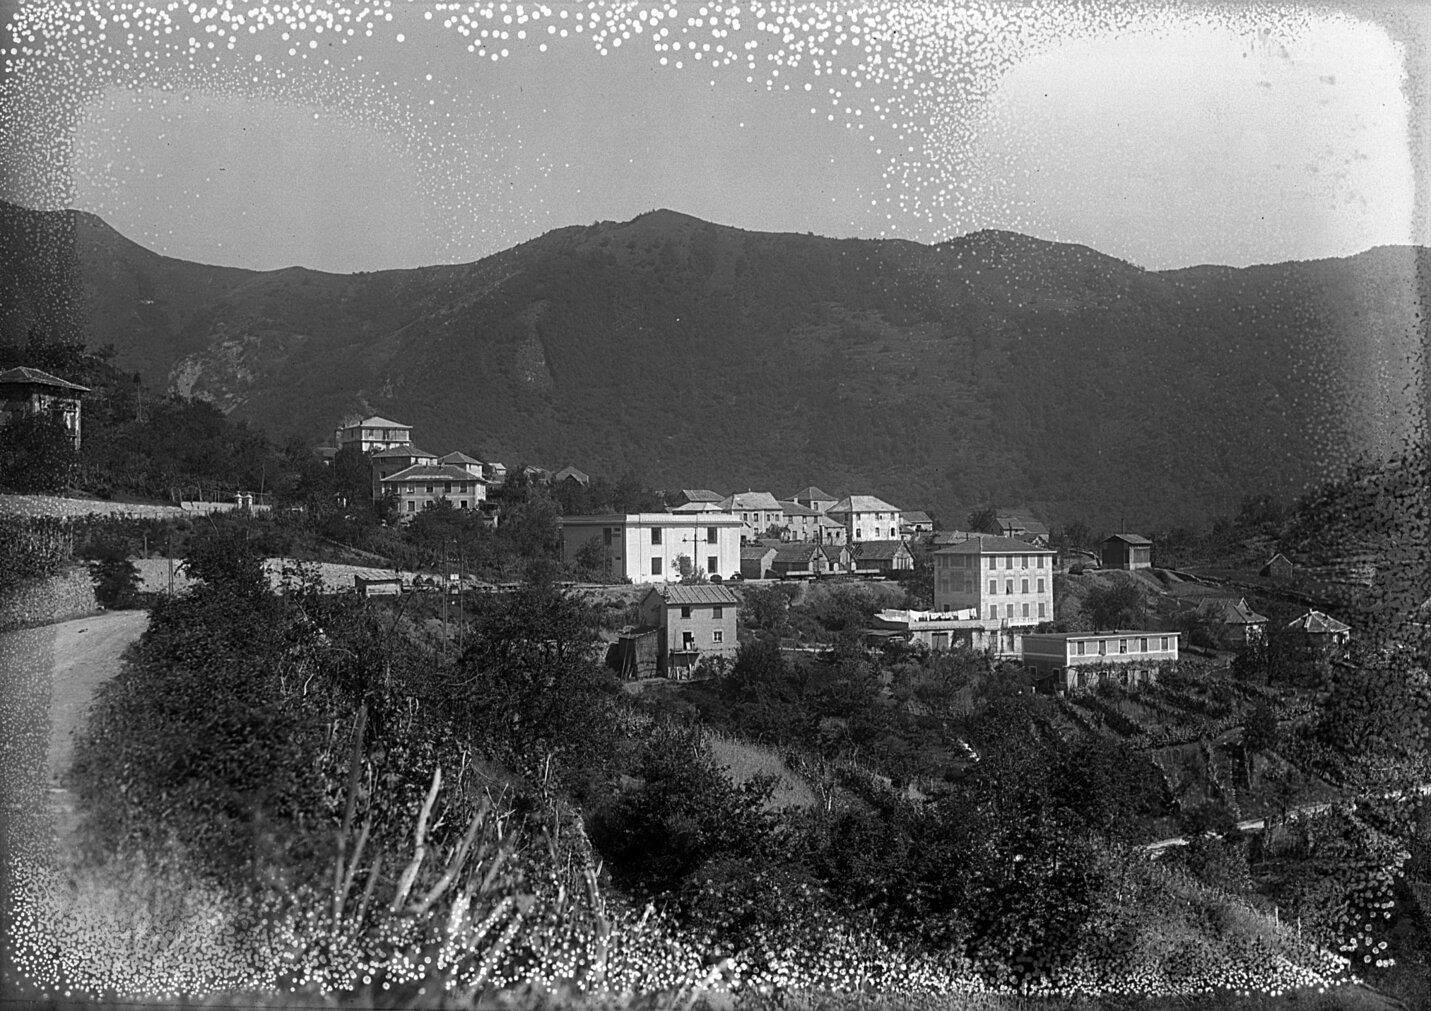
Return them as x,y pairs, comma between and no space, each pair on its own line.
745,761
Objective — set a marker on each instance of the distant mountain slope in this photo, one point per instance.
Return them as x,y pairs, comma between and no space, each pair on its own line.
991,367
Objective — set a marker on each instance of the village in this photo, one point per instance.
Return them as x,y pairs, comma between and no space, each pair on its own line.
992,592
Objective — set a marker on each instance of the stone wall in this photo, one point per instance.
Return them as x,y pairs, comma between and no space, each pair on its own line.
70,594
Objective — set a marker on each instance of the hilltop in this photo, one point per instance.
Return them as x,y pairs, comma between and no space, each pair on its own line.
992,367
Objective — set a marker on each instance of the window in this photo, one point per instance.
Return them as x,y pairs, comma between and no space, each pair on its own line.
1009,610
1024,586
655,535
1102,647
968,586
993,610
1122,645
1040,584
429,489
717,636
606,536
710,535
712,563
718,612
655,566
462,504
1038,561
893,534
1041,608
688,640
1142,645
1165,643
1082,647
993,587
411,506
1008,586
685,612
997,559
1026,610
1023,561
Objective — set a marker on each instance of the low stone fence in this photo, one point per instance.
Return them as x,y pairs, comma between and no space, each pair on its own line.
69,594
53,505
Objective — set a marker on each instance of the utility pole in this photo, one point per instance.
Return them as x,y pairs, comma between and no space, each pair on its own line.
446,589
169,550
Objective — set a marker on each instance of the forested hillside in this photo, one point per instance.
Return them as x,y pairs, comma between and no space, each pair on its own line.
994,367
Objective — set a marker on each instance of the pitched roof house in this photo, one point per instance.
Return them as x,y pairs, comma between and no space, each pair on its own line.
415,488
755,560
881,556
802,522
25,392
1019,523
912,521
813,498
1238,624
375,432
688,495
570,473
387,462
758,511
866,518
464,461
1279,566
799,560
694,622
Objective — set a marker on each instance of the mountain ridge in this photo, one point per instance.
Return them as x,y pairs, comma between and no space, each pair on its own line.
993,366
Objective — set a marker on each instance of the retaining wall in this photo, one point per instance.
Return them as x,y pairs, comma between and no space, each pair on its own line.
69,594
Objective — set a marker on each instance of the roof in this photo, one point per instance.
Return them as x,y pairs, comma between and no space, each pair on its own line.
376,421
796,552
682,594
1127,538
431,472
915,516
36,376
862,504
878,549
457,458
1111,633
701,495
813,494
952,536
696,507
750,500
826,521
402,452
652,520
1021,518
793,508
833,551
755,552
991,544
1317,623
571,472
1231,612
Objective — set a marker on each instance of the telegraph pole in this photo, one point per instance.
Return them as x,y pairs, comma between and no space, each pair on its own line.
446,589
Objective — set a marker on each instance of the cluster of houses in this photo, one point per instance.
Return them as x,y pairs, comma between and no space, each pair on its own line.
991,591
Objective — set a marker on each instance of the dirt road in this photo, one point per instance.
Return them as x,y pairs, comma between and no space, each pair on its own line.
85,652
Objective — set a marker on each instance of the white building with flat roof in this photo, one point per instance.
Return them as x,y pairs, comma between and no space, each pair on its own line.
1067,661
647,547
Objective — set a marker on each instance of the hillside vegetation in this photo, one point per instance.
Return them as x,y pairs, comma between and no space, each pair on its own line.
991,367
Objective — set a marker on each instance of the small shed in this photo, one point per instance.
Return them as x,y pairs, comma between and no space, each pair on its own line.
1278,567
1127,551
377,586
795,560
755,560
882,556
634,653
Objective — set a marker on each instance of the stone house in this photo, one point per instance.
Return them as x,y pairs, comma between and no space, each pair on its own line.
693,623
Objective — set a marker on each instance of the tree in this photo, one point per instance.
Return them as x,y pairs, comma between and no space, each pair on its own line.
984,520
1119,606
1259,733
689,570
115,576
593,561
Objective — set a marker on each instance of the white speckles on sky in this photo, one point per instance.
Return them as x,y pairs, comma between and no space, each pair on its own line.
1162,135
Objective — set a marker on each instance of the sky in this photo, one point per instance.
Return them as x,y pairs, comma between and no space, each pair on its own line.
381,134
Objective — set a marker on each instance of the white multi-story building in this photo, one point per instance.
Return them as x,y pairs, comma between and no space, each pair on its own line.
374,433
647,547
758,511
1003,579
418,486
866,518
